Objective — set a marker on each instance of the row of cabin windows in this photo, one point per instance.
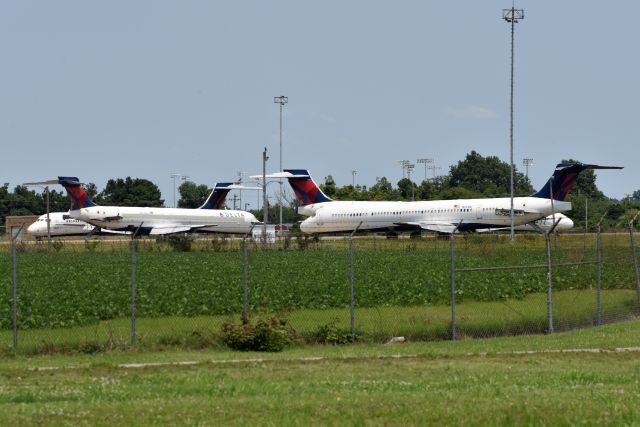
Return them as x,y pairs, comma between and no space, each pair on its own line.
342,215
67,220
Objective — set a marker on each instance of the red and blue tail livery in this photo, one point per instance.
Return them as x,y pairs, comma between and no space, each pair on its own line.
75,193
217,196
305,189
563,179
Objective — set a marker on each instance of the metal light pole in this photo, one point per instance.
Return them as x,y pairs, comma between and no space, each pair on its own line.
240,177
426,162
174,176
46,190
434,168
403,164
410,168
282,100
512,16
353,178
265,201
527,163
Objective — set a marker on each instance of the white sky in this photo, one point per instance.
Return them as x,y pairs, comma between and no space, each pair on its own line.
110,89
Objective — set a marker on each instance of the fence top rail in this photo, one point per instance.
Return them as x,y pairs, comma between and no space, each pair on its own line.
522,267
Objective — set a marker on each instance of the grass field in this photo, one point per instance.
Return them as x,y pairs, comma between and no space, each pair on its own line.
425,323
470,382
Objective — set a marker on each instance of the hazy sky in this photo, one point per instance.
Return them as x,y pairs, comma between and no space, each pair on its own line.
112,89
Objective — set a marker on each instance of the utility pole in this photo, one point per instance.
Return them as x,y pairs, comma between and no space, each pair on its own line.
512,16
46,190
353,178
282,100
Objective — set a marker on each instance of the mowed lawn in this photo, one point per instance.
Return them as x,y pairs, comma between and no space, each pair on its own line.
501,381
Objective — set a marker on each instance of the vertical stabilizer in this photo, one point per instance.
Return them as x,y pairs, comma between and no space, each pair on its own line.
75,193
563,179
306,190
217,196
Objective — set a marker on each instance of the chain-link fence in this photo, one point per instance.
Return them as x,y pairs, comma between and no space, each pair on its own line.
97,294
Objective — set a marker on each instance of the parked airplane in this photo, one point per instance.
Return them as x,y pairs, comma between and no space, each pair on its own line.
158,221
443,216
61,224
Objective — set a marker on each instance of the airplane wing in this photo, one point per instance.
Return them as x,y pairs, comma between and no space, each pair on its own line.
107,231
170,229
437,226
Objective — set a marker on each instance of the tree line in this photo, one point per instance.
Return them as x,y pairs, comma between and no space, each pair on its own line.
475,176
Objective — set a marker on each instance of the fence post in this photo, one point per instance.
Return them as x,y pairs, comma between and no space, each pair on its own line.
549,285
133,285
245,277
452,252
599,276
352,290
634,256
14,283
599,269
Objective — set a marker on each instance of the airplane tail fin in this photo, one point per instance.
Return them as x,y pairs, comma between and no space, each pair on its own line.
306,190
217,196
563,179
75,193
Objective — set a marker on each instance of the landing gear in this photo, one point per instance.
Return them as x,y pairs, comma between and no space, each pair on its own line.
392,235
415,235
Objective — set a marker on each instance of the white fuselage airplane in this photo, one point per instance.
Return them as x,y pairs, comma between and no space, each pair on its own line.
60,225
443,216
157,221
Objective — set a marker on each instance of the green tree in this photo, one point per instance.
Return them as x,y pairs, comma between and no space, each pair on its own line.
329,187
407,189
192,195
382,190
426,190
131,192
487,175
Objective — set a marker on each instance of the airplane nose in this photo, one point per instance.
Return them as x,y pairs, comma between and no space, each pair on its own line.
567,223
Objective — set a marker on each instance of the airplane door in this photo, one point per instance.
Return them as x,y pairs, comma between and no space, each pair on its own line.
478,212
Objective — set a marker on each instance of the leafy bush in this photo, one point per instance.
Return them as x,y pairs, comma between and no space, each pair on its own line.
331,333
268,333
180,242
